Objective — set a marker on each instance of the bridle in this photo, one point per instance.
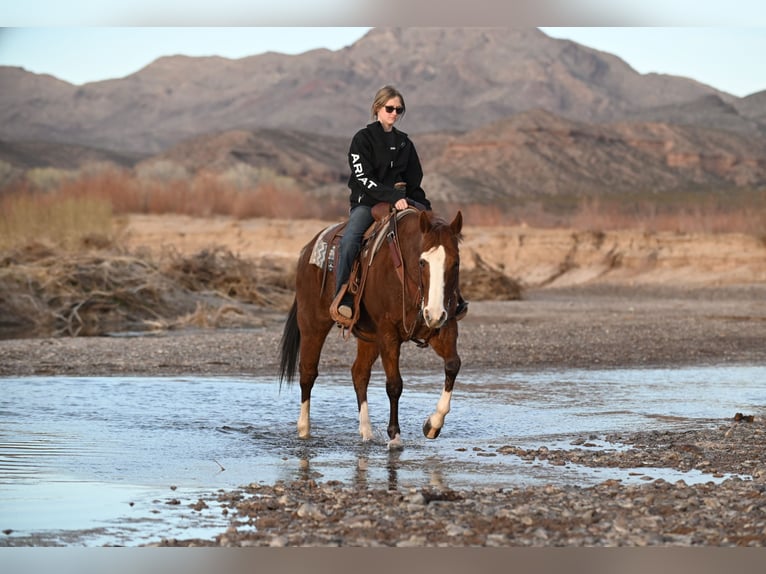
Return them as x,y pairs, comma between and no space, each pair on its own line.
416,290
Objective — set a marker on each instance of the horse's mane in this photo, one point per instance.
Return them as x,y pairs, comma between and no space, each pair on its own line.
439,227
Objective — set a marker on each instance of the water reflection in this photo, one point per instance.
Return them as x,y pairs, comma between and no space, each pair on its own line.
394,459
359,477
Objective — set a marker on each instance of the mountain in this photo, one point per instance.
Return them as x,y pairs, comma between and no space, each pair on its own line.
312,160
753,107
454,79
527,155
496,113
746,117
31,154
537,153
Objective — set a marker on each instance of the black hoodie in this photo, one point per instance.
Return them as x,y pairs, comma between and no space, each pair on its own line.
375,168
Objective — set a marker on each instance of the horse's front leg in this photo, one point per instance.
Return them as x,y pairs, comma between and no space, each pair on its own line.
445,345
389,356
366,355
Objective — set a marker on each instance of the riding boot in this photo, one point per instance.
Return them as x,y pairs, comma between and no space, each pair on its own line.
346,307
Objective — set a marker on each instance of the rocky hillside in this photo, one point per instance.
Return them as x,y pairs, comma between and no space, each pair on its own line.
526,155
454,79
495,113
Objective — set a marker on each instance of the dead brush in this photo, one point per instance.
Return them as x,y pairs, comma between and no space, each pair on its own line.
219,270
83,294
484,282
53,292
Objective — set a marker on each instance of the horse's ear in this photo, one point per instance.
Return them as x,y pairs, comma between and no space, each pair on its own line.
457,223
425,222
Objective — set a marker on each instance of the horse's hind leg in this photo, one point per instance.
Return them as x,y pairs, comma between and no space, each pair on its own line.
366,354
445,345
312,341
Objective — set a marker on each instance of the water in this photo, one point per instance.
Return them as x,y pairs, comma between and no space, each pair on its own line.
122,460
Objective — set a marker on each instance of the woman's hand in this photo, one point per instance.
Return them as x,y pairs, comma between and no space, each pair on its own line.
401,204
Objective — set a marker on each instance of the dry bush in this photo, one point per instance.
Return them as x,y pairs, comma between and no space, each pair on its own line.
80,294
219,270
63,221
486,283
44,290
739,211
165,187
162,171
696,211
244,191
48,179
478,214
243,177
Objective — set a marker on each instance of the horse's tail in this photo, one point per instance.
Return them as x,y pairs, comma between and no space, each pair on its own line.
289,346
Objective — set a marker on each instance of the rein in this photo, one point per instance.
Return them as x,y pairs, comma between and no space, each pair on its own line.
404,278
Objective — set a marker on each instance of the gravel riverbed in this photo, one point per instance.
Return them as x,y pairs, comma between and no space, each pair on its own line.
600,327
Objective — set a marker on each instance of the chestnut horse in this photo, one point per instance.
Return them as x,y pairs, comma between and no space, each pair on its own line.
418,305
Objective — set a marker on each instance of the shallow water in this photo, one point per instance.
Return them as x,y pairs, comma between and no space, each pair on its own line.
119,460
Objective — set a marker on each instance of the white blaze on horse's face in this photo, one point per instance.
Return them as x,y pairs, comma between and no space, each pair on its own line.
434,312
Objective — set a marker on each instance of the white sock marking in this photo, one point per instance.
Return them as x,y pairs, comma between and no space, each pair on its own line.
304,420
442,408
365,428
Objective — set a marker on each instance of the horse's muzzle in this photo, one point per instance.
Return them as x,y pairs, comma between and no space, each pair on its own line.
432,321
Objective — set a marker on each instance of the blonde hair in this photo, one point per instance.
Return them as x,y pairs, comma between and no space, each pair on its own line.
382,96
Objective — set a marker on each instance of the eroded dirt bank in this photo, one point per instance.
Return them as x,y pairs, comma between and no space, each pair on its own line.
535,257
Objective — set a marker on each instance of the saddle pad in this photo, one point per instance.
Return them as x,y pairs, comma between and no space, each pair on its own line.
320,251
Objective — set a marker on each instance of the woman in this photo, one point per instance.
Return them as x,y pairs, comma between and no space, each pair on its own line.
384,168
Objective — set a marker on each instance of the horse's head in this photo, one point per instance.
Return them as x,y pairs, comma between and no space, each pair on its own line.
439,266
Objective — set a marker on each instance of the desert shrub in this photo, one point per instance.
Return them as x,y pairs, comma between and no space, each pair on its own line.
8,175
245,177
48,179
162,171
484,282
63,221
48,291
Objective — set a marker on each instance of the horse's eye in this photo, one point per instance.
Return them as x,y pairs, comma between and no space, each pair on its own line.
422,262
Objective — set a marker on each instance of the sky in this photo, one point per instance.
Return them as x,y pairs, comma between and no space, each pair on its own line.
92,40
86,54
727,58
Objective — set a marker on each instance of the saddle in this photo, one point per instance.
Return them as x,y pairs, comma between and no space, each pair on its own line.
326,251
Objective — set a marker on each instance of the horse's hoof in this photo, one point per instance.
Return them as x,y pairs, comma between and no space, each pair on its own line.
395,443
430,431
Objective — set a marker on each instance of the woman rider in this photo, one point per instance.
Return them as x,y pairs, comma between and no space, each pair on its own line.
385,167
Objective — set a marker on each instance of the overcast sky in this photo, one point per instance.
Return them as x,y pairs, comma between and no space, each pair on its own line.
729,59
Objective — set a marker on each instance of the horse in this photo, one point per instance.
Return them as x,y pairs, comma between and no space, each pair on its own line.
412,299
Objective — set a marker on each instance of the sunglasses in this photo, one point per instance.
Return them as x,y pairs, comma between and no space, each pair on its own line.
391,109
